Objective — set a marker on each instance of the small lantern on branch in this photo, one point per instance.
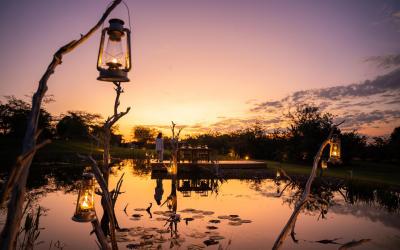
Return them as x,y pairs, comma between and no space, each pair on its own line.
85,210
324,164
335,150
114,59
278,174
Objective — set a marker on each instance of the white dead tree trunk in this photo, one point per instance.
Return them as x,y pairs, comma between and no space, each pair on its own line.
109,224
15,187
108,124
106,203
290,225
175,148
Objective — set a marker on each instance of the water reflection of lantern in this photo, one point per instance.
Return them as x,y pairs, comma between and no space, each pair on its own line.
278,174
324,164
334,153
114,59
85,211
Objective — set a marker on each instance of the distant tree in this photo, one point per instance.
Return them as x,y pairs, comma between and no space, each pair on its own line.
72,127
353,146
77,125
143,135
394,144
377,150
116,139
13,119
308,127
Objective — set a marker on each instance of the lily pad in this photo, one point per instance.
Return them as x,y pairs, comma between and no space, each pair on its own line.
137,215
210,242
187,210
216,237
198,216
208,212
235,223
224,217
140,209
235,219
214,221
212,227
212,233
246,221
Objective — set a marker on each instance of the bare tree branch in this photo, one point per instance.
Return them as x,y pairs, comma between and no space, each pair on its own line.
304,198
100,235
107,197
14,216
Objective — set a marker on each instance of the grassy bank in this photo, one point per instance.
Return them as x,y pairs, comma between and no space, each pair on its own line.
67,151
360,170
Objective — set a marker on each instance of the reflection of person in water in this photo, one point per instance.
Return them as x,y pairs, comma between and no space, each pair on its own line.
159,191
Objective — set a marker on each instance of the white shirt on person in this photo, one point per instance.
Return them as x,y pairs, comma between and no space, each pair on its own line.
159,144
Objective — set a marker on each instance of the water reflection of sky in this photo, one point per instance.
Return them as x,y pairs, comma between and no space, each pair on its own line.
249,199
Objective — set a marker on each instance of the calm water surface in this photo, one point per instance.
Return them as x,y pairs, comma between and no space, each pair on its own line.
352,213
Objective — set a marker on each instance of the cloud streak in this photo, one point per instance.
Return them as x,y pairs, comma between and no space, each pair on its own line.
372,103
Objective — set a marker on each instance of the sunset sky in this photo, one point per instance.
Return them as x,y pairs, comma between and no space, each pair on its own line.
215,65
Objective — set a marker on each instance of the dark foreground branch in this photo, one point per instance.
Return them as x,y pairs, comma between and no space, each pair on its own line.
20,171
108,200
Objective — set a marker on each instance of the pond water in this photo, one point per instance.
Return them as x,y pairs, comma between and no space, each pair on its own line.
233,213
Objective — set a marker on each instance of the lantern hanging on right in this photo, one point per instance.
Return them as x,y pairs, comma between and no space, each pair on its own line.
114,59
324,164
335,150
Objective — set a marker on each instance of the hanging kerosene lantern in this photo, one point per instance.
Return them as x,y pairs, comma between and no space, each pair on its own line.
85,210
114,59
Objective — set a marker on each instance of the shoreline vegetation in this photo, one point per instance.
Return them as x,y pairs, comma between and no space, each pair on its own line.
291,149
65,153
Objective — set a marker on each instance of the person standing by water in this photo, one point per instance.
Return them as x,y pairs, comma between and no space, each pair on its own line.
160,147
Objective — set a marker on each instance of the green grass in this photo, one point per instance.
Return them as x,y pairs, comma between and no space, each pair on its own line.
361,170
66,151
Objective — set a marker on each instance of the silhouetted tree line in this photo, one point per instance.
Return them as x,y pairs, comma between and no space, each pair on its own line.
307,128
74,125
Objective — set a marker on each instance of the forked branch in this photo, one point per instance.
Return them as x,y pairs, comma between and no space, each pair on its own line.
289,227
